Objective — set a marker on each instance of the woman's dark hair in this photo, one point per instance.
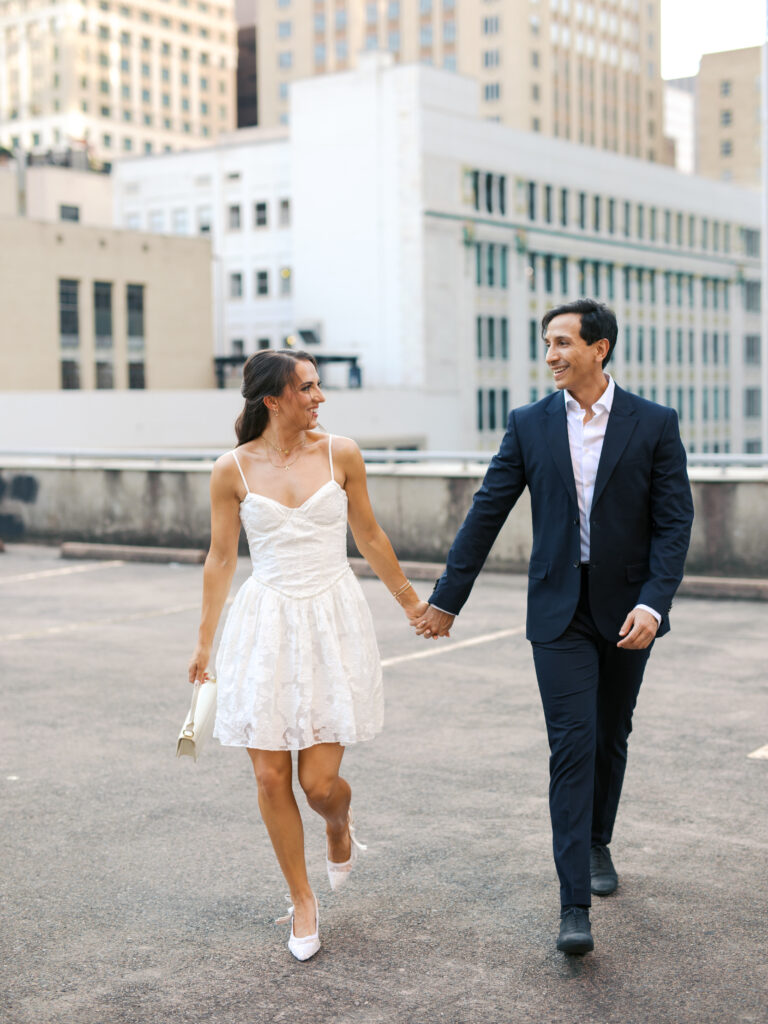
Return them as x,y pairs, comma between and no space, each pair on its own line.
597,321
265,375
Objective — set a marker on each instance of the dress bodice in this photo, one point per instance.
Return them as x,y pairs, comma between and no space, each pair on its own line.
299,551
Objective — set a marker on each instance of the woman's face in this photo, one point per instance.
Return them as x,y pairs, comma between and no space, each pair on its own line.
298,404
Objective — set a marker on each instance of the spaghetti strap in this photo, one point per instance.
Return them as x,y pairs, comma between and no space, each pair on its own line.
330,454
242,475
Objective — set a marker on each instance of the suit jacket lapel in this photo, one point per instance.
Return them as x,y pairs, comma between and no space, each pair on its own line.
556,433
622,421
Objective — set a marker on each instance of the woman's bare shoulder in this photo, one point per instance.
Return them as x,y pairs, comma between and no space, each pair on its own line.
345,445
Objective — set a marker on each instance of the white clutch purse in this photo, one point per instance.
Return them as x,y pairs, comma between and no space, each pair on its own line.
198,724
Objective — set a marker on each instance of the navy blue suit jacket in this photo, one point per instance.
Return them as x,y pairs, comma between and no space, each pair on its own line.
640,521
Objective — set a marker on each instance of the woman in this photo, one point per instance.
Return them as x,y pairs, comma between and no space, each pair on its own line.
297,666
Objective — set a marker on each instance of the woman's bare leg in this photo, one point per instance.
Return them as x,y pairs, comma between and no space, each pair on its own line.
328,794
281,816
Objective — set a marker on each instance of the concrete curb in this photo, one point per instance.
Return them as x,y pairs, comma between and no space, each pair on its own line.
131,553
711,587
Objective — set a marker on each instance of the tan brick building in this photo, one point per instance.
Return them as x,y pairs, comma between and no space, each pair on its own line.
134,76
728,134
87,307
584,71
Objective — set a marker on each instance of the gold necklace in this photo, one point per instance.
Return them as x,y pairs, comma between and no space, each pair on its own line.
282,451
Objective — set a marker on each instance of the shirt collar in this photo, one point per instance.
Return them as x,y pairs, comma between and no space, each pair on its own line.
604,402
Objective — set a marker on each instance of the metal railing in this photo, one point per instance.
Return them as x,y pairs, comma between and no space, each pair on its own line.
371,456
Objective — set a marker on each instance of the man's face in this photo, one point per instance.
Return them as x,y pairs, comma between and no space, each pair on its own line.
574,363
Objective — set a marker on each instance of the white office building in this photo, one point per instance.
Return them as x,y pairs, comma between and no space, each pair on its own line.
395,225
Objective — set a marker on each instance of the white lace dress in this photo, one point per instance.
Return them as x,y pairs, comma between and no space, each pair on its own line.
298,662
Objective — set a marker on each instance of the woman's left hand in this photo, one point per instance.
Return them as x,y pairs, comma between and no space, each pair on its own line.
415,611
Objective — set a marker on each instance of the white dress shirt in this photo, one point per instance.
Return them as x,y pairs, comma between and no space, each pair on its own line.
586,443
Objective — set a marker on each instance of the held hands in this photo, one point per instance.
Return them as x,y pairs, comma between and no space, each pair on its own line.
433,623
638,630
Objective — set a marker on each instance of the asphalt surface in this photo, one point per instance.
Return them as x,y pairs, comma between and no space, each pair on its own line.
139,888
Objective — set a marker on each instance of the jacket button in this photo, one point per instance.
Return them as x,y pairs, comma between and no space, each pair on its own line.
576,565
575,522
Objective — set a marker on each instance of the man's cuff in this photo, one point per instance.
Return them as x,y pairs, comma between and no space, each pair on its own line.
451,613
653,611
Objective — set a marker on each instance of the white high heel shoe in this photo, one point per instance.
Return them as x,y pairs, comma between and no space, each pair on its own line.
305,946
338,873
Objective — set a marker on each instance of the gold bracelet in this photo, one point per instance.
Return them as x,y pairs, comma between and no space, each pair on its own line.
402,590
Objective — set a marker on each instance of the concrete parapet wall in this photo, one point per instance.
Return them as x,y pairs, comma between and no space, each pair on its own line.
420,506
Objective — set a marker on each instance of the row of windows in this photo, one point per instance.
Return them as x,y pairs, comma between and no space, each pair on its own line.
633,220
491,264
260,215
648,345
492,337
487,191
492,408
69,313
261,287
105,374
639,284
709,404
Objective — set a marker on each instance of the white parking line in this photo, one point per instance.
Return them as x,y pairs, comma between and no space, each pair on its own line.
761,753
67,571
74,627
443,646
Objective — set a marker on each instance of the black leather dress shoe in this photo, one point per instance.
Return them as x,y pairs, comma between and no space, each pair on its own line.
575,931
603,873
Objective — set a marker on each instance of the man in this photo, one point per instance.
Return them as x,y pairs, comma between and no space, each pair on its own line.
612,511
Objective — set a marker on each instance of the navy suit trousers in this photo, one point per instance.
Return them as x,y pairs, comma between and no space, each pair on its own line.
588,689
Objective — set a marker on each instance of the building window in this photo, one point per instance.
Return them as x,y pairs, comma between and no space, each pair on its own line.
262,343
491,265
233,217
611,216
479,337
236,285
504,341
260,215
480,423
262,282
531,200
102,313
135,307
752,349
491,338
726,148
548,204
285,59
69,212
503,256
564,207
491,410
751,403
69,318
752,296
284,213
105,375
725,87
533,340
179,221
70,375
136,381
582,210
285,281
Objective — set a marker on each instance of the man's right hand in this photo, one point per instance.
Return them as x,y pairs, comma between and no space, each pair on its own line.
433,623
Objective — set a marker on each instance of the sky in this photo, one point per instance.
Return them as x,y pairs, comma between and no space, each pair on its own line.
692,27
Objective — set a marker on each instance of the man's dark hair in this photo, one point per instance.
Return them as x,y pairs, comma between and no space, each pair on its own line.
597,321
